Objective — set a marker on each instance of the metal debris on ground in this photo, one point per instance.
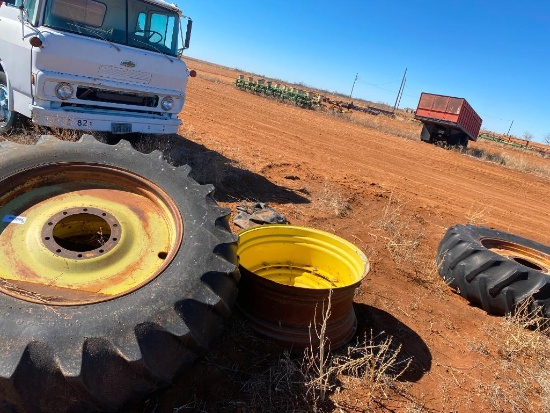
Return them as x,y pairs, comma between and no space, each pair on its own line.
253,214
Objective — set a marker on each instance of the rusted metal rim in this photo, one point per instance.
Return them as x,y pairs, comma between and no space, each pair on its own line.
79,233
288,276
521,254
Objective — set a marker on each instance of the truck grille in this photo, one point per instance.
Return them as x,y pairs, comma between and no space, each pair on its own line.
111,96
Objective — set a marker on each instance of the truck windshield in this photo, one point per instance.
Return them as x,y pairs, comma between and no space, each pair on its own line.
130,22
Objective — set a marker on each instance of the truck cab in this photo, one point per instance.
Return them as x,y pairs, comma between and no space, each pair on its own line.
93,65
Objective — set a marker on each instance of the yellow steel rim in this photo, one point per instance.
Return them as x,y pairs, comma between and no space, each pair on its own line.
80,233
301,257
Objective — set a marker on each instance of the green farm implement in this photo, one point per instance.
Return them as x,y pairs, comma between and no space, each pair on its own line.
281,92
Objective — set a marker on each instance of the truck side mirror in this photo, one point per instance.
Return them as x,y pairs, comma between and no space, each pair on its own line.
188,34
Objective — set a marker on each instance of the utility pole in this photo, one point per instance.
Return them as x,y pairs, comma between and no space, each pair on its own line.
401,88
508,133
351,93
404,83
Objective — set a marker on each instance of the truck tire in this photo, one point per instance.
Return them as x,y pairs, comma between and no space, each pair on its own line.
8,119
116,271
426,134
495,270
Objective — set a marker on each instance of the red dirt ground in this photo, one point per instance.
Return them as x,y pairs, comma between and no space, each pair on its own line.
370,180
299,160
346,174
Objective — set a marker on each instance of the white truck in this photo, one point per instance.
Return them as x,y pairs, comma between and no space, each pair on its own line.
93,65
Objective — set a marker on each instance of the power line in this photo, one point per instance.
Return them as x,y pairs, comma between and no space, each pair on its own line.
494,117
401,94
377,84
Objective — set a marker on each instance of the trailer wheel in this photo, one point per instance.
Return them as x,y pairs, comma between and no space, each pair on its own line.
8,118
116,271
494,269
426,135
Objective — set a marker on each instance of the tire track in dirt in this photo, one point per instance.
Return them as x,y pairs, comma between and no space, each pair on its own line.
334,148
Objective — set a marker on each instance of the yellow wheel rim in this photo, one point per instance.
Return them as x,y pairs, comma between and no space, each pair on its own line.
301,257
77,233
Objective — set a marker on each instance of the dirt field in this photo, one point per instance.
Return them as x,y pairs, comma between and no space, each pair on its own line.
370,180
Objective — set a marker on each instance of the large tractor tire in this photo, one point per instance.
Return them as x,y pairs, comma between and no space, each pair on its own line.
495,270
8,119
116,272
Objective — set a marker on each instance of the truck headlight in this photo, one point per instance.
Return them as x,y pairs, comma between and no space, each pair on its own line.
167,103
64,91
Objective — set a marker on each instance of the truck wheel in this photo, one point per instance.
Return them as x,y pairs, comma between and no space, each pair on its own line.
494,269
116,271
425,135
8,118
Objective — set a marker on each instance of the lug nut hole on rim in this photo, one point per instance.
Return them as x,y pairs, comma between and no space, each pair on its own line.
81,233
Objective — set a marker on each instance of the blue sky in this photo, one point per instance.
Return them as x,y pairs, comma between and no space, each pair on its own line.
496,54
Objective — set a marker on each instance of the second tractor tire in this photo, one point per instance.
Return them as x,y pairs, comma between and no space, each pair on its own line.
495,270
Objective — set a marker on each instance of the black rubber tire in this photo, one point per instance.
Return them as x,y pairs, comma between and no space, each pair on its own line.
101,356
8,126
425,134
495,270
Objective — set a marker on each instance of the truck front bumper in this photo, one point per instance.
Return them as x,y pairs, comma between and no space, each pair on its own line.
104,120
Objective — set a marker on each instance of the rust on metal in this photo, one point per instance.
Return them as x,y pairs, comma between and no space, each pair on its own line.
286,313
93,232
80,217
519,253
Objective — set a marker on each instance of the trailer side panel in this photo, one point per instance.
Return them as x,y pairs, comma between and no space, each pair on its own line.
449,111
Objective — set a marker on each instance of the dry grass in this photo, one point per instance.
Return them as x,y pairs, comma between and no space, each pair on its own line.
476,215
317,362
515,162
404,236
396,127
331,200
519,380
404,239
524,333
372,363
393,127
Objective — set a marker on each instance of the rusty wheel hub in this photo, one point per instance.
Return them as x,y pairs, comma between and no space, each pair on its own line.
81,233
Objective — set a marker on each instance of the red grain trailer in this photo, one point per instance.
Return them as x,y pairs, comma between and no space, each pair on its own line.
447,119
